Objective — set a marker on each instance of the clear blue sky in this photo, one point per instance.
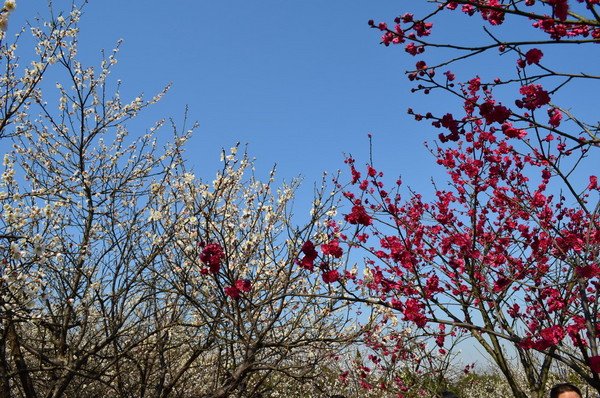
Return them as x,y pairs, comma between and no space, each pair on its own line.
302,82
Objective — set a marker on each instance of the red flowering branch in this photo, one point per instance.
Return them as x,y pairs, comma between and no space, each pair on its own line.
509,251
493,255
546,16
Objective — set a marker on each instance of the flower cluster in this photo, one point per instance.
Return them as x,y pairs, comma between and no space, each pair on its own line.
212,255
236,290
9,7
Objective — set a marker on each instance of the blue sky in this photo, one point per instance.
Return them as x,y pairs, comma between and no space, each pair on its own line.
301,83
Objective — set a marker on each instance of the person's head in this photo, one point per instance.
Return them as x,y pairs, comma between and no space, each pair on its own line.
565,390
448,394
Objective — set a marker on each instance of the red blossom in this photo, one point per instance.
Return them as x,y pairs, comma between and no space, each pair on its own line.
310,255
330,276
333,248
212,255
474,85
308,248
594,363
493,16
555,117
512,132
371,171
422,28
534,97
553,335
355,174
501,284
243,285
526,343
413,312
413,50
533,56
588,271
306,263
232,292
387,38
494,113
561,8
450,76
448,122
358,216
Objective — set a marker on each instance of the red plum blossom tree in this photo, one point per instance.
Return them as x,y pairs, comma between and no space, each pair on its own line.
506,251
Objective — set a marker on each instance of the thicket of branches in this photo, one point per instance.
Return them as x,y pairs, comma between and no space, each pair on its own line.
123,274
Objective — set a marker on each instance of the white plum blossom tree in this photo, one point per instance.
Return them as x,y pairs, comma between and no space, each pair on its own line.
123,274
